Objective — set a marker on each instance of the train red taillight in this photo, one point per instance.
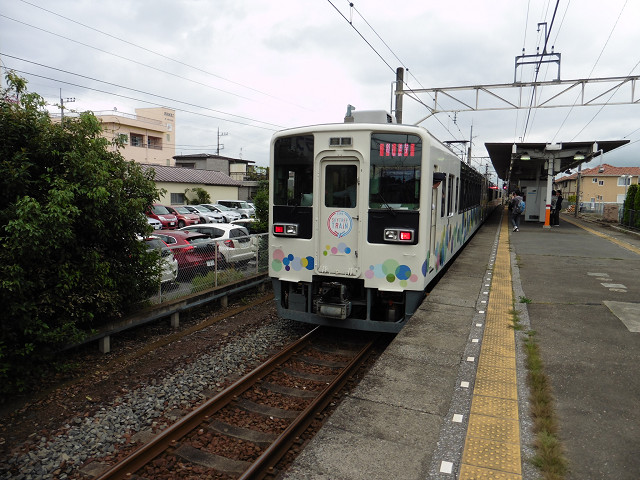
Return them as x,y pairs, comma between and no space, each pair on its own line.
285,229
399,235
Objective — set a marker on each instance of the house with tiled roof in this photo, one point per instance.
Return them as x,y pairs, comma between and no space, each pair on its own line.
604,184
177,184
241,170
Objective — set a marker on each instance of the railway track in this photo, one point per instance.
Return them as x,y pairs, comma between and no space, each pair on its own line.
244,431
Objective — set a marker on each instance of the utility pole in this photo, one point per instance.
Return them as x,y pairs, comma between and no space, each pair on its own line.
220,134
470,142
399,89
62,100
575,213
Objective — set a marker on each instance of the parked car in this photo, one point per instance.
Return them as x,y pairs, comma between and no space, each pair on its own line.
206,215
234,242
243,208
169,263
160,212
184,215
195,252
248,223
156,224
228,214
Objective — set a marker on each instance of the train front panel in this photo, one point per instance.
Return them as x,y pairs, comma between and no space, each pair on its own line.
349,224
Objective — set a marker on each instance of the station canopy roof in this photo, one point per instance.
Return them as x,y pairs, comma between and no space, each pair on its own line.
526,161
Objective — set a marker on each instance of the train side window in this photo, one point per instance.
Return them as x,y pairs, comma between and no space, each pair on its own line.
443,206
457,194
450,196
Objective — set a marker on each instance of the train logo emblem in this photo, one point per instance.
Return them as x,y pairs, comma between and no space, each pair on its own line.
340,223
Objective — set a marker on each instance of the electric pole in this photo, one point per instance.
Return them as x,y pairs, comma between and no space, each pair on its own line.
62,100
220,134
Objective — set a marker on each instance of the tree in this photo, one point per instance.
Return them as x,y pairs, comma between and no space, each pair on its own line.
202,196
634,204
629,202
70,223
261,201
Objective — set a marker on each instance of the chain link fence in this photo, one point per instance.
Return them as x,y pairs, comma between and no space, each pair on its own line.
194,268
630,218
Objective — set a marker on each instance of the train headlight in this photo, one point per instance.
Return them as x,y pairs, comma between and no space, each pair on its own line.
285,229
399,235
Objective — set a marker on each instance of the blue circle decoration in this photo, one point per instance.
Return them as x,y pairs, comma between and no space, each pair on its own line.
403,272
310,263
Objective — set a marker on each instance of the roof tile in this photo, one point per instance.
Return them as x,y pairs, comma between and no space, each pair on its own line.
191,175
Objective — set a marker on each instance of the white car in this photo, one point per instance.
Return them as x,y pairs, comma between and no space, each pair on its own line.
169,263
156,224
228,214
234,242
243,208
205,213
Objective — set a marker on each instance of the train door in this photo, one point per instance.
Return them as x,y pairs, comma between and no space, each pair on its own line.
439,185
338,221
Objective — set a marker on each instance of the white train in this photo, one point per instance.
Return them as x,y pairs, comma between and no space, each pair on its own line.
363,217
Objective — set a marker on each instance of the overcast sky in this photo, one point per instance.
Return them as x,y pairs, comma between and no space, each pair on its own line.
249,68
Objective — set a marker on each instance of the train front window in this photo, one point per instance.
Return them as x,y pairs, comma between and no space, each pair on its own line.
394,178
293,171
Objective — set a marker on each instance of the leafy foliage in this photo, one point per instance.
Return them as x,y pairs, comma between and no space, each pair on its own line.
631,202
261,202
70,221
634,203
201,196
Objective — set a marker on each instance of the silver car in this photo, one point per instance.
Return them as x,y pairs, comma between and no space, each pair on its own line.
228,214
243,208
206,214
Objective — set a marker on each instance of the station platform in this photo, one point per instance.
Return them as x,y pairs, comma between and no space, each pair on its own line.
448,399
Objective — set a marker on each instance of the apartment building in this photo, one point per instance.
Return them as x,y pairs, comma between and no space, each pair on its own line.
148,136
602,184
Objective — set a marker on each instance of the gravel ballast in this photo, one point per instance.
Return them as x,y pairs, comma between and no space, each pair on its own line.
150,407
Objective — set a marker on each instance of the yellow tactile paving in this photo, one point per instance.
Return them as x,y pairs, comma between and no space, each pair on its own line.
492,444
500,407
477,473
492,428
496,361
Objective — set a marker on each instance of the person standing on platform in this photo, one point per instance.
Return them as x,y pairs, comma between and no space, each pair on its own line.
556,210
515,210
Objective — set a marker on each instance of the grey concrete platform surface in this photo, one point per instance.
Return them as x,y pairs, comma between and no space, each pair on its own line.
585,294
390,425
578,289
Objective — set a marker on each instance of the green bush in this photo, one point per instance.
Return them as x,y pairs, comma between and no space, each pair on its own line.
70,219
630,203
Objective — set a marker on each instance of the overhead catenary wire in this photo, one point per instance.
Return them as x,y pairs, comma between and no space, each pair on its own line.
544,50
591,73
406,85
180,62
141,100
138,91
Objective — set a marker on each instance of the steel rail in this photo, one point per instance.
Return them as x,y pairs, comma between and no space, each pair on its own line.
173,433
281,445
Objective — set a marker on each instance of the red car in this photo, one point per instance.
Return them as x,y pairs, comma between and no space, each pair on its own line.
196,253
185,216
160,212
